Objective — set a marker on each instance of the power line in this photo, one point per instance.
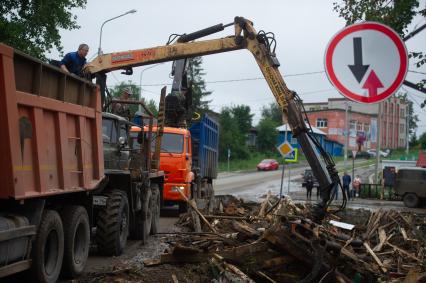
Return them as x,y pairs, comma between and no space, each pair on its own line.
246,79
417,72
239,80
418,104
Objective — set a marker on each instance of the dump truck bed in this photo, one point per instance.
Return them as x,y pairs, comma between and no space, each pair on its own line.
50,122
205,146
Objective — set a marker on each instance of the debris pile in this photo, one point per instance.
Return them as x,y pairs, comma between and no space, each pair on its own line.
276,241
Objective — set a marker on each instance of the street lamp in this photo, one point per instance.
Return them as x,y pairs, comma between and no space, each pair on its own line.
140,82
100,36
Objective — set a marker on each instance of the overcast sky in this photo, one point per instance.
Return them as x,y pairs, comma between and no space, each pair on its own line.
302,29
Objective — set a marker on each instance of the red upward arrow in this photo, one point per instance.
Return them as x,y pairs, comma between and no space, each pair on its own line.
372,84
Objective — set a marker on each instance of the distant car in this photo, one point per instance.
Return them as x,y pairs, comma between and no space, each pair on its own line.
372,153
268,164
305,178
360,154
411,185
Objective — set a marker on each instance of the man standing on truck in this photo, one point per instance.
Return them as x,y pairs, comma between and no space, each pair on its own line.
122,109
74,62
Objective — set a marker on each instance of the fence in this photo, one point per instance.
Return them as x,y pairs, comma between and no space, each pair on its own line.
374,191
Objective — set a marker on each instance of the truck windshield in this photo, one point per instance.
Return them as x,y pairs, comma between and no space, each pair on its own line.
172,143
109,133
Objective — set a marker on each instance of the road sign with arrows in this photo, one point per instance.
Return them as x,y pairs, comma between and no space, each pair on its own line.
366,62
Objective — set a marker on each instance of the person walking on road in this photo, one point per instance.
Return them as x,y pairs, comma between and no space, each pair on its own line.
309,186
346,180
356,186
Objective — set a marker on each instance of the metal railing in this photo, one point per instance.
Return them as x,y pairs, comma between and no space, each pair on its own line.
374,191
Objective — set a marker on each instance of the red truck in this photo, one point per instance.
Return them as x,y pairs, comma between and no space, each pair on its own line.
57,188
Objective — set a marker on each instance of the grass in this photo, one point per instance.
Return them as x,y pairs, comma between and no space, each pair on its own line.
247,164
255,158
400,154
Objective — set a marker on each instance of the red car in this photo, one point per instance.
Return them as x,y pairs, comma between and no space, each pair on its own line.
268,164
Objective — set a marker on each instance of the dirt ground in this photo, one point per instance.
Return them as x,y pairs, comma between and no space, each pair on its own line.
129,267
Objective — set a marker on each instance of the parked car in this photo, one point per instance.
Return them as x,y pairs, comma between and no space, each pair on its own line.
372,153
411,185
305,178
268,164
360,154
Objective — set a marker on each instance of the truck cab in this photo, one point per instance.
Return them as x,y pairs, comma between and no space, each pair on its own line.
175,161
115,136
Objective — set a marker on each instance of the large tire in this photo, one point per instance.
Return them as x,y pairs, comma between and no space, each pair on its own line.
113,224
147,209
411,200
143,218
156,206
48,249
77,240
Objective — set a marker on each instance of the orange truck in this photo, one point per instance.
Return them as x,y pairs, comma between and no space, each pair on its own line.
56,188
189,159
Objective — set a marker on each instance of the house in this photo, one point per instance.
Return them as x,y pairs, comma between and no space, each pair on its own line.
334,148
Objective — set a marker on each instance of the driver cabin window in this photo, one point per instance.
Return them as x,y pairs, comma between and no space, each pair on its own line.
109,131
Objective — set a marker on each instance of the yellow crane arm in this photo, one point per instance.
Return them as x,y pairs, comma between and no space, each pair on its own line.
245,37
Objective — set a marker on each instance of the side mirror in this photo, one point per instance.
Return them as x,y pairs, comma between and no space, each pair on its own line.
105,138
122,141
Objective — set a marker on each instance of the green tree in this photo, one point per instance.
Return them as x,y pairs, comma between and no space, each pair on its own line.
199,92
272,112
118,90
394,13
267,134
33,26
397,14
231,137
242,114
422,141
413,140
413,118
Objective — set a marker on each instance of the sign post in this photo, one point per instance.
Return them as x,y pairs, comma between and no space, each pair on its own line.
367,63
354,152
289,154
229,156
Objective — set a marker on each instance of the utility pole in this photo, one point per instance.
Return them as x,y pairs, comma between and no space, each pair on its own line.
346,135
407,129
378,143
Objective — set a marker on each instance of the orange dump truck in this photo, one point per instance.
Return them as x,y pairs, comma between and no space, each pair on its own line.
189,159
55,190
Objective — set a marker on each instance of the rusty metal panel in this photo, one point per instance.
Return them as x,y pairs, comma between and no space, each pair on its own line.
51,129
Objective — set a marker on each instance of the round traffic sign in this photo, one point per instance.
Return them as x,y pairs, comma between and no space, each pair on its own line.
366,62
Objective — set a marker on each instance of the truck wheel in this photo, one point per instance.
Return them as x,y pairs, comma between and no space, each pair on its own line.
147,209
142,223
113,224
156,205
48,248
411,200
77,240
